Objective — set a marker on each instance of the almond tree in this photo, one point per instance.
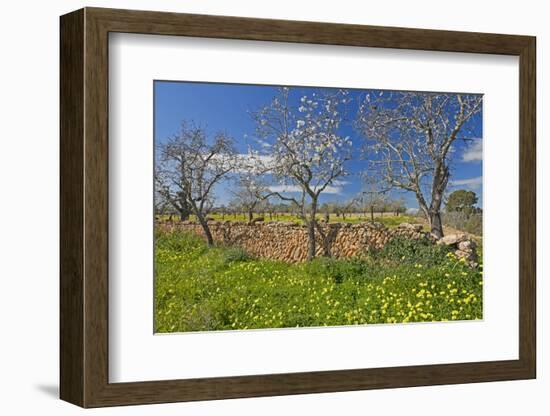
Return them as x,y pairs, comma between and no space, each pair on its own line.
408,142
165,197
306,151
250,193
189,166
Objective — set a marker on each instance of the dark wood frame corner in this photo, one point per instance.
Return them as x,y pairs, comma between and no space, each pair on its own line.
84,207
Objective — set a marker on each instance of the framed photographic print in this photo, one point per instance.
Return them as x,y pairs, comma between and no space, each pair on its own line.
256,207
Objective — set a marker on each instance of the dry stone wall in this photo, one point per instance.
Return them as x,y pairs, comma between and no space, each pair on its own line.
288,241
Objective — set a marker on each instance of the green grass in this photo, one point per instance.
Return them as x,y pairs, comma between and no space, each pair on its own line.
388,219
221,288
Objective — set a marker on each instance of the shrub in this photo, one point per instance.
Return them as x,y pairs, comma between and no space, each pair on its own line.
181,241
469,222
235,254
337,269
408,251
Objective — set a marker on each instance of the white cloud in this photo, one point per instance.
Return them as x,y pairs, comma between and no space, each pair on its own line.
285,188
340,183
470,183
296,189
474,152
333,190
252,164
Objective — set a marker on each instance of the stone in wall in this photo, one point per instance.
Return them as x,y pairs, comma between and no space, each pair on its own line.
287,241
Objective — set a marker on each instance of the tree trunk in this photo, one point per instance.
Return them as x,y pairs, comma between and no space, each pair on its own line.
311,246
326,238
250,216
441,177
310,240
436,227
372,213
183,211
206,229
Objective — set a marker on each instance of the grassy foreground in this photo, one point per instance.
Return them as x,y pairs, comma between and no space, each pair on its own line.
199,288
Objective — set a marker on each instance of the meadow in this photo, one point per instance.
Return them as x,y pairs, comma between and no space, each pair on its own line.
200,288
388,219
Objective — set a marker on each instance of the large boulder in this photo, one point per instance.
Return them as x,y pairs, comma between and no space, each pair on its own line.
463,247
452,239
467,245
411,227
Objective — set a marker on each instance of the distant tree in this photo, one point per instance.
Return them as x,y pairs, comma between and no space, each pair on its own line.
326,209
461,200
279,209
223,211
349,207
372,202
190,165
307,151
384,206
234,207
270,208
340,209
397,206
250,193
408,141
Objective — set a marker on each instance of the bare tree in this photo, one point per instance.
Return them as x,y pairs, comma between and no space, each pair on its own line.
408,140
234,207
222,209
190,165
250,193
397,206
371,198
371,203
346,207
307,151
165,196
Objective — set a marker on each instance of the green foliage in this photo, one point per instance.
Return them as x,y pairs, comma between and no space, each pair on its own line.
236,254
199,289
388,219
392,221
461,201
407,251
474,224
469,222
337,270
184,243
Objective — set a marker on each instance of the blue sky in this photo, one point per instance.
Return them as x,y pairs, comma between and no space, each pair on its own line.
227,108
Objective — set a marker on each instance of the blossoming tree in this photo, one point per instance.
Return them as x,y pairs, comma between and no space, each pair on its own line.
306,152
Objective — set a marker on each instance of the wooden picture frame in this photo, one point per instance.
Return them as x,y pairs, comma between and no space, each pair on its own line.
84,207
